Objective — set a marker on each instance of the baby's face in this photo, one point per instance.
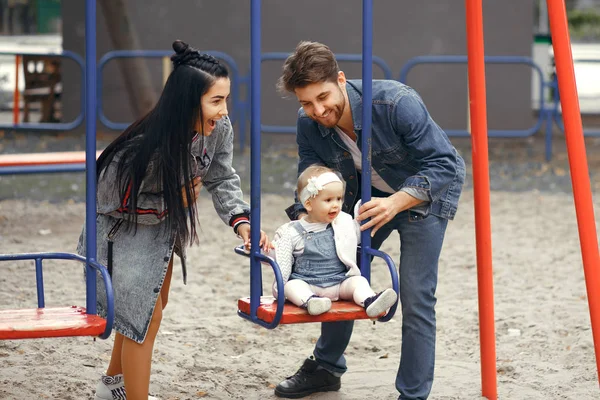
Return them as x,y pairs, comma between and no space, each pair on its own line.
327,204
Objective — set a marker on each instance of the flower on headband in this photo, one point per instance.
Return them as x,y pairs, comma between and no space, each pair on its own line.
313,186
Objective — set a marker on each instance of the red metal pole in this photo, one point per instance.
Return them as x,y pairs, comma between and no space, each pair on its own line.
16,93
481,185
580,177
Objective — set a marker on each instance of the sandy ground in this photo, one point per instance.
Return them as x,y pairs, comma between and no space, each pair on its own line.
204,350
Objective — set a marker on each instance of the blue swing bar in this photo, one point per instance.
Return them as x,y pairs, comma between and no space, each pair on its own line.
271,314
90,152
70,320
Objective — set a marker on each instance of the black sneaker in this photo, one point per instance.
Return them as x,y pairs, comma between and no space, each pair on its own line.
309,379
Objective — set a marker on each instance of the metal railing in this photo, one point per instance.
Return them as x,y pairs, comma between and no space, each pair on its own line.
233,68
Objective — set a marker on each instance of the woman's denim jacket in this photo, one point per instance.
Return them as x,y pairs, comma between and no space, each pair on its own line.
141,259
409,150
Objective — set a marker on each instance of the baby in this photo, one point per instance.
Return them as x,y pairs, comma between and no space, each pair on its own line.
317,254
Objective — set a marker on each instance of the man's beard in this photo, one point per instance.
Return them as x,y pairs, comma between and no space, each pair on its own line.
337,111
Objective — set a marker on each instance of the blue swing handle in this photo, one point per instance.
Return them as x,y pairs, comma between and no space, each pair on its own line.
280,289
393,276
255,297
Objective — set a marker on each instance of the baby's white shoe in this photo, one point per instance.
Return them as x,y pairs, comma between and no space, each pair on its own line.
380,303
113,388
318,305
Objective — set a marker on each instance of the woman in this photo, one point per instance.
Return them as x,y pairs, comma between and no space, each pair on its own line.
148,182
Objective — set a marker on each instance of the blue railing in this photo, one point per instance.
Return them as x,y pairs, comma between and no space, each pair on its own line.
548,110
280,56
547,113
489,60
58,126
235,79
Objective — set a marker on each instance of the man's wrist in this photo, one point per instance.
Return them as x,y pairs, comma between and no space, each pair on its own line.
405,201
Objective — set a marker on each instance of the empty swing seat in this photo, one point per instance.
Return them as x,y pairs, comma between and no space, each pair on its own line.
49,322
65,321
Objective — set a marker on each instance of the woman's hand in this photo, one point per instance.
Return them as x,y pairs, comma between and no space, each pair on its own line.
195,186
244,231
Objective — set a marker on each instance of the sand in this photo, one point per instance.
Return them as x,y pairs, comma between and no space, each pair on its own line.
204,350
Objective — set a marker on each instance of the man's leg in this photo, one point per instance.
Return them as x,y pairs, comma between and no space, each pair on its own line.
329,351
335,336
420,246
322,374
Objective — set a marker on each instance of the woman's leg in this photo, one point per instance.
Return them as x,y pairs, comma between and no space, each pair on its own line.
136,359
164,293
115,367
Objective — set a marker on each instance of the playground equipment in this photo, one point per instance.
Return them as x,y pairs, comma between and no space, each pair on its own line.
477,94
70,321
263,311
579,176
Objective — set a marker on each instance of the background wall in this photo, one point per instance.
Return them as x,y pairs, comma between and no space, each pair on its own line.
402,29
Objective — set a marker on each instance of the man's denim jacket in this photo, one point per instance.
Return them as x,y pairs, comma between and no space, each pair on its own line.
409,150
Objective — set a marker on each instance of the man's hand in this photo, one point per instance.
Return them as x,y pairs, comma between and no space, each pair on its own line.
381,210
244,231
195,186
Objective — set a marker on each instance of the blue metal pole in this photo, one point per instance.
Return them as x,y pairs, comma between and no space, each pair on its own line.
90,152
367,81
39,279
255,55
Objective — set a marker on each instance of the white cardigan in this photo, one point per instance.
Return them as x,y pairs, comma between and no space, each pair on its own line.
346,231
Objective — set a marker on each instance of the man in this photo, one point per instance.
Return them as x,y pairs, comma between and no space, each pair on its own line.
417,178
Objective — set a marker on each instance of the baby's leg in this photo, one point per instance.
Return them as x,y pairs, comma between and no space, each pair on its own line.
299,292
357,289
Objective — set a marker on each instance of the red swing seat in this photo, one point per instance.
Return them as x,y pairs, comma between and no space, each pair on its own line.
340,311
49,322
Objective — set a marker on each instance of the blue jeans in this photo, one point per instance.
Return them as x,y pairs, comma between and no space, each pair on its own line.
420,246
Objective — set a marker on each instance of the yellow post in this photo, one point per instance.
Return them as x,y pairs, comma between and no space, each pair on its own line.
166,68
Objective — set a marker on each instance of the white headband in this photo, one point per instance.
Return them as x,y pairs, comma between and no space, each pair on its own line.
316,183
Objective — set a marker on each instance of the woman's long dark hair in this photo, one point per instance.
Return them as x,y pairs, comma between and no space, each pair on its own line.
164,136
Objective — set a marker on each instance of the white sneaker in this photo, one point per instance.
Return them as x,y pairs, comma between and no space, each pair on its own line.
113,388
318,305
380,303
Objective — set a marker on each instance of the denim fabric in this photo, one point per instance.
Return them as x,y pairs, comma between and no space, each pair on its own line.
140,260
137,274
318,264
212,162
421,242
408,148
